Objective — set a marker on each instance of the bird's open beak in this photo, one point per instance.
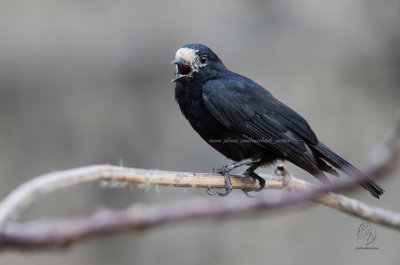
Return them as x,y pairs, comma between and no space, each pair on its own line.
183,69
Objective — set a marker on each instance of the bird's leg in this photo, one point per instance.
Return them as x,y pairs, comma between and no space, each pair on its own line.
226,169
249,172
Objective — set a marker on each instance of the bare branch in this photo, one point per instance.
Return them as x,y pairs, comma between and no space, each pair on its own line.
56,233
37,187
64,232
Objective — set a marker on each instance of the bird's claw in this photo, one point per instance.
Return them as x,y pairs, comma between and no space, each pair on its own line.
209,192
261,184
246,192
228,187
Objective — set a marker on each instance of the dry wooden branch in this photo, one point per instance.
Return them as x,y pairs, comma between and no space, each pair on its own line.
57,232
64,232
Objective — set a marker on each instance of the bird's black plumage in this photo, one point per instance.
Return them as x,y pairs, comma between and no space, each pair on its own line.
242,120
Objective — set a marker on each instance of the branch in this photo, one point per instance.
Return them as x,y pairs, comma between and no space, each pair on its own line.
63,232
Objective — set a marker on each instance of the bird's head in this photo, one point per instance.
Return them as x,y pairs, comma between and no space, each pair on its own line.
196,60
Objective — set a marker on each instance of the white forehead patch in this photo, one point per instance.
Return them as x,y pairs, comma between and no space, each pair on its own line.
187,54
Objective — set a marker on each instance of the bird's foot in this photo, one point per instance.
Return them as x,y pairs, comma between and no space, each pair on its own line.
261,183
228,187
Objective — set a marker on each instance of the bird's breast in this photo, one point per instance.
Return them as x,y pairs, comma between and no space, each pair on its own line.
190,101
209,128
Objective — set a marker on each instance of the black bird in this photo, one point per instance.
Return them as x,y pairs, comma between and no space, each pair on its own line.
244,122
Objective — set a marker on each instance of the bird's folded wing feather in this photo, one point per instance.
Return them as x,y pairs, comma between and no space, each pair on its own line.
247,108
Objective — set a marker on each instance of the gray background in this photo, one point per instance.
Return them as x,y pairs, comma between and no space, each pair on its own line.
88,82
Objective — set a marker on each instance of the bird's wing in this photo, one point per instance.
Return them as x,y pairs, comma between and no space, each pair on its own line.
247,108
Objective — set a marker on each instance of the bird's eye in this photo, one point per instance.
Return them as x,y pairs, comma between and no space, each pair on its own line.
203,59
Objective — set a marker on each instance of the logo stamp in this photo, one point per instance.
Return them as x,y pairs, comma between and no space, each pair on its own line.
366,233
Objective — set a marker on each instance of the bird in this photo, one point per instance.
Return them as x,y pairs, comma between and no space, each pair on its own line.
243,121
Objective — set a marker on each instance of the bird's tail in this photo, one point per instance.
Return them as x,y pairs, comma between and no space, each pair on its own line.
340,163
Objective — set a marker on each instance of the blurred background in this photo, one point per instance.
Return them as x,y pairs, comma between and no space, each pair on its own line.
88,82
